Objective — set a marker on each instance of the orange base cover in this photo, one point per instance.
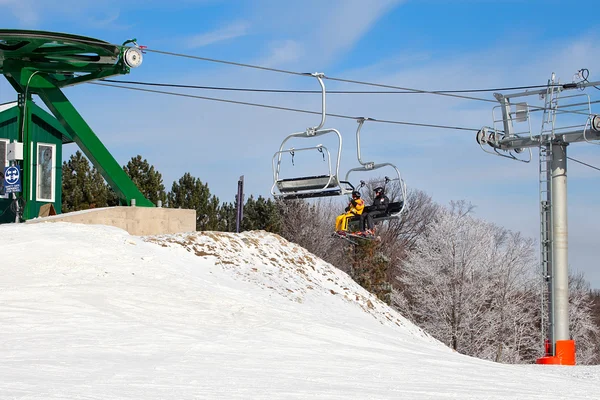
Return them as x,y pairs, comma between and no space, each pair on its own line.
565,354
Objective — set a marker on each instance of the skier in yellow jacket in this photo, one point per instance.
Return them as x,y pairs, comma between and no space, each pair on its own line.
355,207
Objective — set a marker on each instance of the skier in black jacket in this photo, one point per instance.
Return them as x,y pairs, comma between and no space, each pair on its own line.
379,207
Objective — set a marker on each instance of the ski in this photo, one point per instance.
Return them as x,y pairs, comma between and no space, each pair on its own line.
351,237
344,236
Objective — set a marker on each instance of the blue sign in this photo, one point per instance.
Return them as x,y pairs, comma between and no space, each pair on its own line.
12,179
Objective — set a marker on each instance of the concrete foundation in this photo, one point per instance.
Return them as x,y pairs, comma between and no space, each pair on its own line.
140,221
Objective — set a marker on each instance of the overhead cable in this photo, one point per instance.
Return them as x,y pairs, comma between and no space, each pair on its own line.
307,74
237,89
282,108
586,164
259,67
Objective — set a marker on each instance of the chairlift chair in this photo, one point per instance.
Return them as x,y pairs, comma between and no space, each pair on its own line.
311,186
394,209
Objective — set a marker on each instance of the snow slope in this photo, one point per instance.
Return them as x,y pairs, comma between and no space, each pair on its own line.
90,312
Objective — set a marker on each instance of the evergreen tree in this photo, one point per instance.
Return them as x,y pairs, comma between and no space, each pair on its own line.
371,268
191,193
261,214
82,186
147,179
227,217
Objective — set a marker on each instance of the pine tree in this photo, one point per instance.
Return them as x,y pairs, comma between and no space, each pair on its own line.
191,193
226,217
371,268
147,179
261,214
82,186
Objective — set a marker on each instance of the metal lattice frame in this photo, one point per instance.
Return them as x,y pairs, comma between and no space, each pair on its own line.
41,63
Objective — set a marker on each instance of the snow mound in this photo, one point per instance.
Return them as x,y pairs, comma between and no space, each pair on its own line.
90,312
276,264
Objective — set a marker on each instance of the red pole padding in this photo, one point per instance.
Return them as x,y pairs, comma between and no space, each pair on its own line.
565,350
565,354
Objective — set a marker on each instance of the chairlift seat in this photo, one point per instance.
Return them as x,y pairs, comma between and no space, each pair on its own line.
310,195
390,212
291,185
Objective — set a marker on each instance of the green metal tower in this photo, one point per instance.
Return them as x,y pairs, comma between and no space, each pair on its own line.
42,63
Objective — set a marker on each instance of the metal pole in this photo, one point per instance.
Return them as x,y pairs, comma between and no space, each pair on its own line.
560,276
17,210
239,205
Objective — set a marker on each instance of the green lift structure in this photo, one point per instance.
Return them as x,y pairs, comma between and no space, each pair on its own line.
42,63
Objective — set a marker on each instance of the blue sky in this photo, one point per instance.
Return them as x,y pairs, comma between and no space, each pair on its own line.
428,44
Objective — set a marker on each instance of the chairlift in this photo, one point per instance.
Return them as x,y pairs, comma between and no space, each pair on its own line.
395,209
303,187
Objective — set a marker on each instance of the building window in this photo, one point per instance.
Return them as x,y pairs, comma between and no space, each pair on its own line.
46,171
3,164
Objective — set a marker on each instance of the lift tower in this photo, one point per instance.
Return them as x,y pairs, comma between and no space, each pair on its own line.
511,137
42,63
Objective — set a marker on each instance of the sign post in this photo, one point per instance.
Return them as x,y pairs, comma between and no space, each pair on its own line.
12,184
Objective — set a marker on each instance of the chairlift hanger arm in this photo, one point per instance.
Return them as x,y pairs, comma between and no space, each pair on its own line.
361,121
312,131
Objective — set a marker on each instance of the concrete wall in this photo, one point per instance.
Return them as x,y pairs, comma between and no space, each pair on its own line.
139,221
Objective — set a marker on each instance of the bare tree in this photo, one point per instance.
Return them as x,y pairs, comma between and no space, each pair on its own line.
467,283
582,326
516,337
311,225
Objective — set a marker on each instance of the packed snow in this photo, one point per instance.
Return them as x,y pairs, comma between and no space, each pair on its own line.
91,312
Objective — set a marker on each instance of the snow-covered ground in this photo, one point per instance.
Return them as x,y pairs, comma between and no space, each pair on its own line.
90,312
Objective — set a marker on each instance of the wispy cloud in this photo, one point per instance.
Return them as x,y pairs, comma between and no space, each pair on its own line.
34,14
349,21
327,29
22,10
285,52
110,21
232,31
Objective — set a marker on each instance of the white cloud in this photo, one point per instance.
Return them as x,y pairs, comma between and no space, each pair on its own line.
324,29
36,13
23,11
348,21
286,52
232,31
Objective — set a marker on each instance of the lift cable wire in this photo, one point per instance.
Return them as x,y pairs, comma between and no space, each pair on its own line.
235,89
283,108
308,74
581,162
184,86
237,64
214,60
357,82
